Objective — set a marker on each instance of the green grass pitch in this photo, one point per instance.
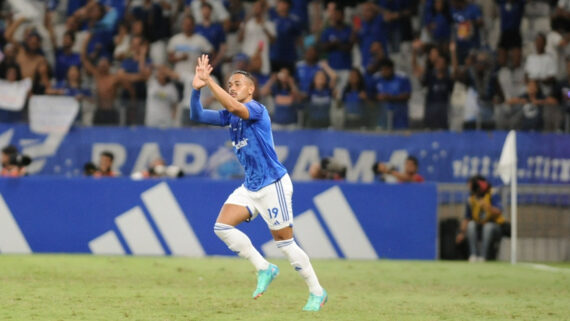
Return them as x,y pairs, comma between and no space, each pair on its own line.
77,287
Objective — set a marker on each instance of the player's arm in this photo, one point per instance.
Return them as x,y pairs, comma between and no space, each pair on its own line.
197,112
227,101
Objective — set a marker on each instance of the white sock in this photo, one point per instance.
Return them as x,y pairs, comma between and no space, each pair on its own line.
238,242
300,261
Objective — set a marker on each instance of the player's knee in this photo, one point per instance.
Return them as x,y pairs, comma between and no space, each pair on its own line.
222,230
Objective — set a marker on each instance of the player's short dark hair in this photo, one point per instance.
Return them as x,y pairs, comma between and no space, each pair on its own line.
108,154
245,74
413,159
206,4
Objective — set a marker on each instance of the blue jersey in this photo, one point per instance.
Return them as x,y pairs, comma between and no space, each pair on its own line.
63,62
253,145
305,74
511,14
338,59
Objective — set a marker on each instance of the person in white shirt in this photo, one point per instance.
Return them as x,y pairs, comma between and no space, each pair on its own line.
185,47
162,97
540,65
257,34
219,12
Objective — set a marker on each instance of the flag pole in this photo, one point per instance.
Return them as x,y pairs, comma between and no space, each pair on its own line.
514,208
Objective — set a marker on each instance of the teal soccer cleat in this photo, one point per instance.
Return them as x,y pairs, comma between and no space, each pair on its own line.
315,302
264,278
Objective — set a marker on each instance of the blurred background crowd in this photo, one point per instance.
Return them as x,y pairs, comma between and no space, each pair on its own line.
382,65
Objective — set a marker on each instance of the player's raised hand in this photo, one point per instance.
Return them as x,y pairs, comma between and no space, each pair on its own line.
203,70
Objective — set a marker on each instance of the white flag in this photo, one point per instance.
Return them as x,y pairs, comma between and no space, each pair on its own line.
508,157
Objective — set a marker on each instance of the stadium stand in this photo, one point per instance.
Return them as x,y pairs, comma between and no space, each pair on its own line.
466,63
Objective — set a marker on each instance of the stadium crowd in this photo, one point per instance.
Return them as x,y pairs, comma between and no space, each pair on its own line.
387,64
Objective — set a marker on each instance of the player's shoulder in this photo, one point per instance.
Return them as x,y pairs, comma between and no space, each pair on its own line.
255,104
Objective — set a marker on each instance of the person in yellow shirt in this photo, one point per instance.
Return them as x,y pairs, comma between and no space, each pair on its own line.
483,219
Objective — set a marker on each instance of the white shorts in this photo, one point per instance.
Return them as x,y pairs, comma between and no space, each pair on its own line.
273,202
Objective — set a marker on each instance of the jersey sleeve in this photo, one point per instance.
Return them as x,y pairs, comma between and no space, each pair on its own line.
224,117
255,110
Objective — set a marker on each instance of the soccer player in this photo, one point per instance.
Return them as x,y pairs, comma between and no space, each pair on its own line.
267,189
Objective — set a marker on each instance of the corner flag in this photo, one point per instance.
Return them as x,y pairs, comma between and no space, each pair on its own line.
508,172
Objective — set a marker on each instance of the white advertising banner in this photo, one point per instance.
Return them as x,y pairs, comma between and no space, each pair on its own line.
52,114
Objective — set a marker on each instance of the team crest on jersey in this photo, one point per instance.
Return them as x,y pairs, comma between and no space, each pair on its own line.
242,143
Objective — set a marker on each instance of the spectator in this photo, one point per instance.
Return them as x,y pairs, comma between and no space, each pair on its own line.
105,168
28,54
8,60
556,42
124,38
486,85
136,64
257,35
409,175
562,14
371,72
106,84
467,19
12,74
372,29
320,97
284,91
398,17
354,99
71,86
283,52
540,66
438,22
215,34
483,219
157,22
305,69
533,101
300,8
219,12
511,79
13,164
42,80
162,97
64,55
100,21
328,169
439,86
185,47
511,12
512,76
336,41
393,92
237,15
